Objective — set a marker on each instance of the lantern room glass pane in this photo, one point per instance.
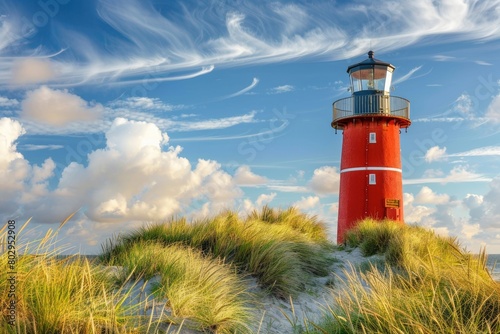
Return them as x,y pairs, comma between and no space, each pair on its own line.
355,84
388,80
376,78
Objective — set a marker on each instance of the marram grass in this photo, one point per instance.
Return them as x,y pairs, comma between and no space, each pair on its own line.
280,255
204,293
61,294
430,285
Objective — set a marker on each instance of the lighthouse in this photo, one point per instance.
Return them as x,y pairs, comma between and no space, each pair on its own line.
371,182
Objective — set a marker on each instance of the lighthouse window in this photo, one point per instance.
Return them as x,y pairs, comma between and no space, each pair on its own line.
372,179
373,137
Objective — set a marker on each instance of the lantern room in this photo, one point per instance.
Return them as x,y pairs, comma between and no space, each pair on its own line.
370,76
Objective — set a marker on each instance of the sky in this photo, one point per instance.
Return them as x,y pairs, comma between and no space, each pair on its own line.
128,112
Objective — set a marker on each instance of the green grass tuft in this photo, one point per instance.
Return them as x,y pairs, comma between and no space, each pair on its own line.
202,292
430,285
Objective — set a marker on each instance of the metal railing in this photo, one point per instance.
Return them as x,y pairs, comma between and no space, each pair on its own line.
371,105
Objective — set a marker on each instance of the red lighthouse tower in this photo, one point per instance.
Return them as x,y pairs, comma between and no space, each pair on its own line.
371,183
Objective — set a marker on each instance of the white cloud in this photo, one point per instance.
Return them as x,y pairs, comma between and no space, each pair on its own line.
6,102
486,209
484,63
479,152
433,173
435,153
473,201
288,188
458,174
21,182
33,147
282,89
244,176
326,180
31,70
470,230
419,214
10,131
144,103
463,174
132,178
57,107
443,58
307,203
147,40
254,83
493,111
464,106
427,196
216,123
407,75
264,199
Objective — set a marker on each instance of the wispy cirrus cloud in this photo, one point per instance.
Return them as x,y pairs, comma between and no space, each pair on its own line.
282,89
144,103
35,147
215,123
486,151
459,174
149,41
254,83
410,75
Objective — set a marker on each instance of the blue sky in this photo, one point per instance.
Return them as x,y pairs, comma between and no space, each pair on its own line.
130,112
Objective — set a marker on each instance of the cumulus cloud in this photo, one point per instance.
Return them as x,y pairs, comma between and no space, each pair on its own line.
419,214
490,206
325,180
307,203
427,196
244,176
32,70
21,182
10,131
435,153
58,107
470,230
264,199
134,177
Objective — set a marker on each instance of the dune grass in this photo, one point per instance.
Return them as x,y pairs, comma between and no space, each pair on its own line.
201,272
430,285
60,295
278,253
202,293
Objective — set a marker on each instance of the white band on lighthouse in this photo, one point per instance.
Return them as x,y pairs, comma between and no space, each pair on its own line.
357,169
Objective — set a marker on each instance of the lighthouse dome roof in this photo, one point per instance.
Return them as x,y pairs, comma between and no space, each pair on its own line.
370,61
